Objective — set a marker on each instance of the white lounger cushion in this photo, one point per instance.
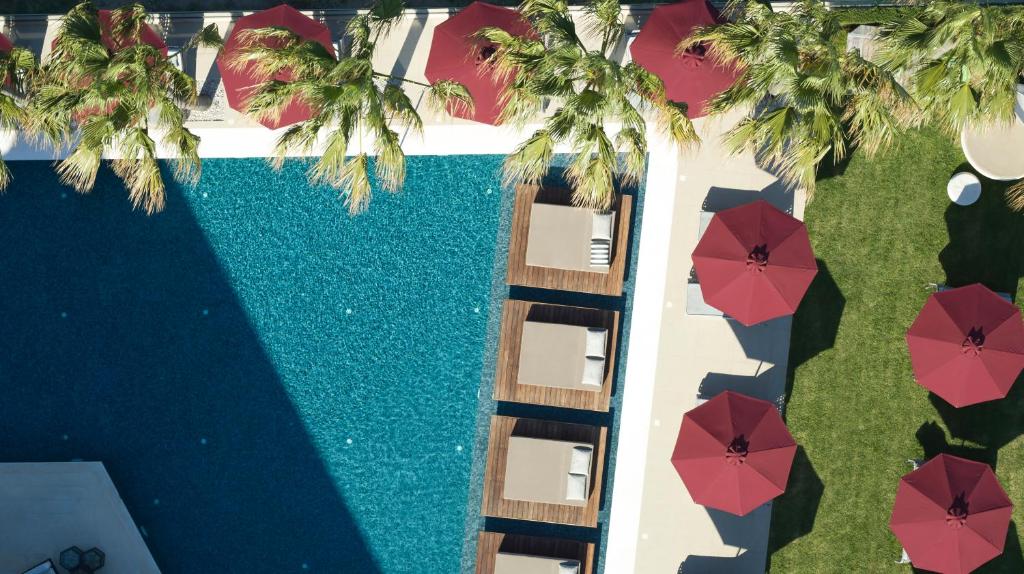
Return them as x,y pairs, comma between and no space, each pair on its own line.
576,489
510,563
569,567
593,372
603,226
597,342
579,473
582,456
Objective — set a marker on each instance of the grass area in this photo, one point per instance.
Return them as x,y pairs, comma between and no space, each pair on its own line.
882,229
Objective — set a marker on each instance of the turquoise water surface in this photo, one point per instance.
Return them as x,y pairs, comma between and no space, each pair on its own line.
273,385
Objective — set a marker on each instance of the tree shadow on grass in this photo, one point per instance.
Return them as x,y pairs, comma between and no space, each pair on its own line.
794,513
829,167
124,342
984,241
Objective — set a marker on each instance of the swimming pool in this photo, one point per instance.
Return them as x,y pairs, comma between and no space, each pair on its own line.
272,385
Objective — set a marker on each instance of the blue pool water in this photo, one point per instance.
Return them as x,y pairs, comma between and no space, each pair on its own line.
273,385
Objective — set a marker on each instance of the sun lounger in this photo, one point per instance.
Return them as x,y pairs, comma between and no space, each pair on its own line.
695,304
703,222
562,356
571,238
548,471
509,563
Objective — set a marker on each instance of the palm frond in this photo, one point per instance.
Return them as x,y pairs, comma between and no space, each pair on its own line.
1015,196
355,180
208,37
448,95
390,162
530,161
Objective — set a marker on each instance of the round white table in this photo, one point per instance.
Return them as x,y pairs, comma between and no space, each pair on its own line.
996,151
963,188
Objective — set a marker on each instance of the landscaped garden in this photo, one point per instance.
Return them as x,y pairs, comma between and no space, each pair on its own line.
883,229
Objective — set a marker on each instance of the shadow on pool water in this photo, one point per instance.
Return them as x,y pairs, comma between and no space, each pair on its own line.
125,343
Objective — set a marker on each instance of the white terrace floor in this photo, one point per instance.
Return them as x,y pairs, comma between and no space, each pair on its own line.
655,525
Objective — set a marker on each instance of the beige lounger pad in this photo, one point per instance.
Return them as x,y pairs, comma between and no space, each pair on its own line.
506,563
538,470
553,355
559,237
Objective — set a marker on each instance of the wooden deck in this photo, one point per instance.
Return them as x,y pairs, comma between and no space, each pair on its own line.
506,387
519,273
490,543
495,504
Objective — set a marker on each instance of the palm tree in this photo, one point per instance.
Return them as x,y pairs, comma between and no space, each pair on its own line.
17,68
965,59
115,88
805,96
348,97
593,92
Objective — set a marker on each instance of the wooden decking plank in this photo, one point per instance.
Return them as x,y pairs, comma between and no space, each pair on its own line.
494,502
490,543
519,273
506,387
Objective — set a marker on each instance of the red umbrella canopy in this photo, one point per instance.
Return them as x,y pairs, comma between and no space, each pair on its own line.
239,82
115,43
951,515
456,55
734,453
693,76
112,43
967,345
754,262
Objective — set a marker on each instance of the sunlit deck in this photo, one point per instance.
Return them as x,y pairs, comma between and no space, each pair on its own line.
494,502
491,543
519,273
506,385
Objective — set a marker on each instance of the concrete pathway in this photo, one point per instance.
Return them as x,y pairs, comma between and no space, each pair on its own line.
661,528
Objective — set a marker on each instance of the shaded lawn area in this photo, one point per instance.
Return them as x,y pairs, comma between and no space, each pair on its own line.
883,229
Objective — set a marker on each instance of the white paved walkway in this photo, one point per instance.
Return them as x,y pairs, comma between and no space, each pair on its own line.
655,526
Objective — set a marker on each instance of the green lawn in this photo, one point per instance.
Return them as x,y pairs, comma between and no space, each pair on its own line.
882,229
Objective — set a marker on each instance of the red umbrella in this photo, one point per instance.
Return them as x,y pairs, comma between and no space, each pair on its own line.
456,55
967,345
239,82
149,35
754,262
106,17
113,44
106,20
734,453
693,76
951,515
